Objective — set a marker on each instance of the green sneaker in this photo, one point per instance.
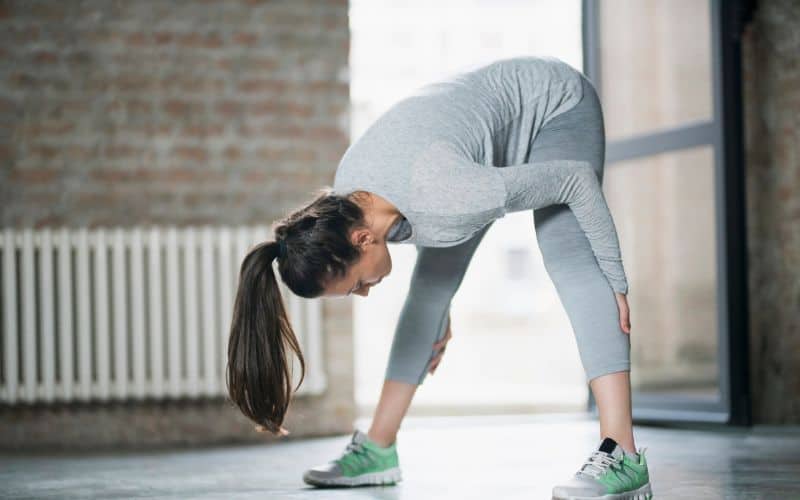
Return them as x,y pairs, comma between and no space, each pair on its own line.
363,462
608,474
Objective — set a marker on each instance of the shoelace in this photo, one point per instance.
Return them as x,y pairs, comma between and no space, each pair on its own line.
360,453
354,447
357,448
597,463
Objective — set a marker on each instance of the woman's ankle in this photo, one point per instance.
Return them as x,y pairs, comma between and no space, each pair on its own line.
383,440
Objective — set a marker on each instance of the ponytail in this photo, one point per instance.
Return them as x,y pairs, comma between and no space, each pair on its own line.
258,371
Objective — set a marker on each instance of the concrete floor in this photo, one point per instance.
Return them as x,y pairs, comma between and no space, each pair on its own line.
514,457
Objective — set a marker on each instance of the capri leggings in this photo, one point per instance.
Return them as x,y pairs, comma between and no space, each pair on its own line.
584,291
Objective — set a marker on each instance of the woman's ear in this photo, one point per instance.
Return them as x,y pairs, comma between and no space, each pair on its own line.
363,237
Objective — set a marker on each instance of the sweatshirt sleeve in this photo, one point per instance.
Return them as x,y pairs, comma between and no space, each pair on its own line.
574,183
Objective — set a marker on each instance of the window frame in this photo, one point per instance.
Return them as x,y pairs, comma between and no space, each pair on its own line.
723,132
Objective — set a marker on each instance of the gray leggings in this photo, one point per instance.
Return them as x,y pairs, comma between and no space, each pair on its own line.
586,295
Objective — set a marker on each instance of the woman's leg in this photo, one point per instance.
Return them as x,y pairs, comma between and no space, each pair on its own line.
395,399
437,274
584,291
612,392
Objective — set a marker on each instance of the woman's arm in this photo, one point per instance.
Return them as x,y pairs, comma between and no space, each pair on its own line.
444,182
539,184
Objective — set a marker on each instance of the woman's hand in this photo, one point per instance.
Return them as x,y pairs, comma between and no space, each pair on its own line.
441,344
624,312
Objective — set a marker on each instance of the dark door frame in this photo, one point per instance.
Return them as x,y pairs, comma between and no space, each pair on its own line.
724,133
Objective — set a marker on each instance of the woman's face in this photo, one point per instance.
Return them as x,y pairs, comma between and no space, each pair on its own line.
374,264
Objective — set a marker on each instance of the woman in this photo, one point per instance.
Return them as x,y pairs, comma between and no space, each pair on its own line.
436,170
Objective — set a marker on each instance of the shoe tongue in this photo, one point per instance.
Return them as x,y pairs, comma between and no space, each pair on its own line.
611,447
359,437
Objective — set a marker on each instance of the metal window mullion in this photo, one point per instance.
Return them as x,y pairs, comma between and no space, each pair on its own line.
664,141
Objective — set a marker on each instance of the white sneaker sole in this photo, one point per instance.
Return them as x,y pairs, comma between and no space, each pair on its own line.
388,476
643,493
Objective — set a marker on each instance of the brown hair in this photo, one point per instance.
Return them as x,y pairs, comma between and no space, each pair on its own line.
318,250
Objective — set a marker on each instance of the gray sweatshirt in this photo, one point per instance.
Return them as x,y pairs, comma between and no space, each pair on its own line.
431,155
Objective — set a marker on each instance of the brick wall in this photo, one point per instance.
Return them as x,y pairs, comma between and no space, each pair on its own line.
771,73
172,112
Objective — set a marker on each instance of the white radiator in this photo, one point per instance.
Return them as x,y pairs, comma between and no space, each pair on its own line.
118,313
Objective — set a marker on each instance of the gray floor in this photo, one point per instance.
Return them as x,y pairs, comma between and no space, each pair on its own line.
447,458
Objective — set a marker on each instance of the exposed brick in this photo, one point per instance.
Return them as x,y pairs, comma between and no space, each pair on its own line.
248,131
262,85
280,108
206,199
322,133
255,176
182,108
33,196
327,87
193,85
8,106
130,107
76,153
199,40
156,176
232,153
91,200
190,153
21,35
44,57
21,81
6,152
194,175
138,83
138,39
106,38
294,153
262,64
71,107
149,130
199,117
34,176
229,108
330,156
245,39
117,151
202,130
47,128
52,221
262,111
163,37
43,151
112,175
